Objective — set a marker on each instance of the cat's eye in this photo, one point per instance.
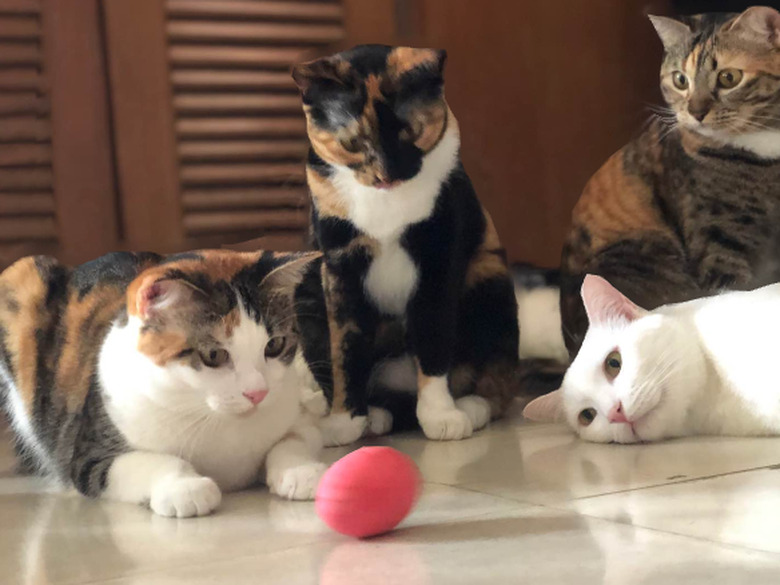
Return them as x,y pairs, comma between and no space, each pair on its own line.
729,78
585,417
215,358
275,347
612,364
680,80
351,144
411,133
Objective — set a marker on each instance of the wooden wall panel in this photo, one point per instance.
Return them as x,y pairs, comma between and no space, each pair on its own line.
145,141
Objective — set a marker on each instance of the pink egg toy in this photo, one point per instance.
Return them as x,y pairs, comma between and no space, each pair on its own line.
368,492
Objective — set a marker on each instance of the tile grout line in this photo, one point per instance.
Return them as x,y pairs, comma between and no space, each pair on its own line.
672,483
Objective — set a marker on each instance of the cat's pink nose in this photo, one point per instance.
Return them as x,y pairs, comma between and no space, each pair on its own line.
616,415
256,396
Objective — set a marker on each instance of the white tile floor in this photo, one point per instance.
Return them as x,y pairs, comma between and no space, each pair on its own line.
518,503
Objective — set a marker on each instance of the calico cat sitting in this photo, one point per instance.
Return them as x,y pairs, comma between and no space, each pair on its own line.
703,367
692,206
159,381
405,241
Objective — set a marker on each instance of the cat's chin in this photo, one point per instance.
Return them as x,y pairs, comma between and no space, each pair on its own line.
231,408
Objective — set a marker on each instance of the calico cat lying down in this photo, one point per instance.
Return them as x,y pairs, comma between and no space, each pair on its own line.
159,381
405,242
703,367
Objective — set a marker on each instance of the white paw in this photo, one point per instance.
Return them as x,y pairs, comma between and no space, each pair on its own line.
380,421
314,402
183,497
297,483
342,429
445,425
476,408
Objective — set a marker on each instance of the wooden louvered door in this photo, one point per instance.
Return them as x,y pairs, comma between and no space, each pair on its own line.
56,179
210,136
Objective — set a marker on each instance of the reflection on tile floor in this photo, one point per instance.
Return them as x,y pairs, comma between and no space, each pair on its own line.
518,503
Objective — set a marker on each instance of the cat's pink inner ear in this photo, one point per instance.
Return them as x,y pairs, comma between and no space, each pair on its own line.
547,408
155,296
604,303
760,22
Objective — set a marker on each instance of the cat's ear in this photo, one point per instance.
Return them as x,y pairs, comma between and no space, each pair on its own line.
547,408
278,286
320,72
604,303
759,23
156,295
672,33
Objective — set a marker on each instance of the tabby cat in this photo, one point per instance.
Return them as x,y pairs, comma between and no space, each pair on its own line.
160,381
692,206
405,241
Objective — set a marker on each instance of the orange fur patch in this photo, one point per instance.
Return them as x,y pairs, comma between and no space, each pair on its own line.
404,59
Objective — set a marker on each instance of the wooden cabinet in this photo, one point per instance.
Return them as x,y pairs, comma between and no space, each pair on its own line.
153,124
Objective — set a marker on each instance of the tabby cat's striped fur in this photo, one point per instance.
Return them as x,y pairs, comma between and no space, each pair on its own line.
692,206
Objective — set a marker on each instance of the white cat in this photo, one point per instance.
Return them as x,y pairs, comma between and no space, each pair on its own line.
704,367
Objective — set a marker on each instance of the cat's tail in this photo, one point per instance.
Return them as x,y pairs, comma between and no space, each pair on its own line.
538,296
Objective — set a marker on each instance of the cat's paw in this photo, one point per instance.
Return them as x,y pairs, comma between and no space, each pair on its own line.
314,402
380,421
342,429
297,483
476,408
449,424
184,497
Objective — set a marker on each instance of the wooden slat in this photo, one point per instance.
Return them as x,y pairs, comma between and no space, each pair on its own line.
223,199
238,127
198,55
21,79
27,228
26,204
200,174
253,32
24,28
243,9
33,178
24,154
16,7
215,79
236,103
240,150
20,54
230,221
24,129
23,103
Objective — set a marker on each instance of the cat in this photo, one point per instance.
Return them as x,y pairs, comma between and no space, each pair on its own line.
702,367
405,241
690,207
161,381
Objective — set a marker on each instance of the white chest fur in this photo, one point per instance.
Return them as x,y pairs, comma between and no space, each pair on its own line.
384,214
392,277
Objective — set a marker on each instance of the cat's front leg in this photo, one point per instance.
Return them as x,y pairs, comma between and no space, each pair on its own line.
293,470
432,328
170,485
352,323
